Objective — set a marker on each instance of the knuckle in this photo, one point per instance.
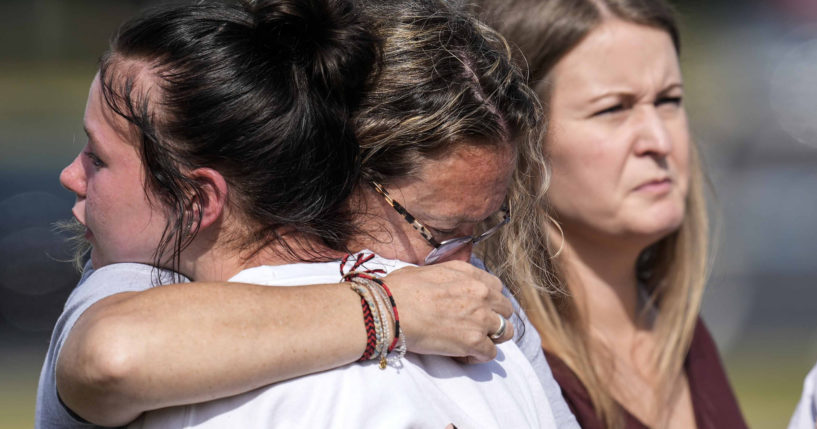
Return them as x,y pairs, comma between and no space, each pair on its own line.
506,310
481,291
494,282
474,339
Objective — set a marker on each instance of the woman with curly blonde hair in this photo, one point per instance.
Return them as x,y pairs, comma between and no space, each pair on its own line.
201,116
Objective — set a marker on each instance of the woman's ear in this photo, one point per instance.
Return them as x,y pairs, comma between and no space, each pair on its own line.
213,199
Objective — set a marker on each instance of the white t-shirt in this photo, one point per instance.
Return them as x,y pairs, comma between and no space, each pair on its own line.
805,415
426,392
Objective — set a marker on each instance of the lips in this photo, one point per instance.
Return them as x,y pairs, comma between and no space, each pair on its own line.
655,185
80,219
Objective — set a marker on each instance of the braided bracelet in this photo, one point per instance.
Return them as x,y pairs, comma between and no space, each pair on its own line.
378,303
371,335
380,300
368,297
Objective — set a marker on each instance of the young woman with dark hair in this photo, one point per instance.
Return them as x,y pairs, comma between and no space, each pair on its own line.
190,149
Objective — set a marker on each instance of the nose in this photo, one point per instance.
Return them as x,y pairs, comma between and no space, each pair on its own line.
653,138
73,177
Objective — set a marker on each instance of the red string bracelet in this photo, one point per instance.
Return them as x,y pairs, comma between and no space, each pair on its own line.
371,335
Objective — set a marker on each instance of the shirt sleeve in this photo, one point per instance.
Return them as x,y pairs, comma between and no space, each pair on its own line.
527,339
805,415
92,287
530,343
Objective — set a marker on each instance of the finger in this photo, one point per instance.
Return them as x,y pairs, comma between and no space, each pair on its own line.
500,329
507,335
503,329
500,304
486,353
462,359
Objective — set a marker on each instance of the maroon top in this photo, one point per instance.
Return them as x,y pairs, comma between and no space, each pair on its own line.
713,401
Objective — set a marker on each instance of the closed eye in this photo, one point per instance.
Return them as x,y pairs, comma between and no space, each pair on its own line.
612,109
669,101
441,232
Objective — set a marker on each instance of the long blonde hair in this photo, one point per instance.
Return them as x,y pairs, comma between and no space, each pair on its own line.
673,271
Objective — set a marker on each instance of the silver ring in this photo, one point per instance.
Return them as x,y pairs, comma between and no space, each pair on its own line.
503,324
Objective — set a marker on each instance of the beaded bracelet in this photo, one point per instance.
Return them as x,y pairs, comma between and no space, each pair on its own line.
376,297
399,347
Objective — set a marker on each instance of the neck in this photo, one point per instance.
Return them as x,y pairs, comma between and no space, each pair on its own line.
601,276
215,256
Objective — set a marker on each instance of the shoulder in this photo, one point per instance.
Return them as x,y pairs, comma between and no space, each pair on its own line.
712,396
94,286
574,392
703,356
97,284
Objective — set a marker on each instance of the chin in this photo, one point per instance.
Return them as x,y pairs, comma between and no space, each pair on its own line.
666,217
656,231
657,226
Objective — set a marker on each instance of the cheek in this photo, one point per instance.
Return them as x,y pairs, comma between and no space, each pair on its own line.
583,177
122,213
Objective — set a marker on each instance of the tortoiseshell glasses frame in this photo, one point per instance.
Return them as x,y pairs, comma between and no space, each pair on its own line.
443,248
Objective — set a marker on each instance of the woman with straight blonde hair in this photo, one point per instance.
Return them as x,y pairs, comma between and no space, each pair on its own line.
613,280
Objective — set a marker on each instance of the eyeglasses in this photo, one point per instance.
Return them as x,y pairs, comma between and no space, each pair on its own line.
446,247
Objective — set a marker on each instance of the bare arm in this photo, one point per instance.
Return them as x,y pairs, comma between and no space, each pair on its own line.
180,344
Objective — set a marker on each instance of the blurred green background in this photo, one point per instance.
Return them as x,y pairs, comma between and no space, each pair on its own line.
751,83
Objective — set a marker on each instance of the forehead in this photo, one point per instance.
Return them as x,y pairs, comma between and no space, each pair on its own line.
467,184
125,84
619,55
100,121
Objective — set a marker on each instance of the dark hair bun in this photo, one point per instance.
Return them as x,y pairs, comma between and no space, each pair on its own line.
327,38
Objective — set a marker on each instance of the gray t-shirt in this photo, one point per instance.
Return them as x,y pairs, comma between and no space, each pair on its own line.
93,286
117,278
530,343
